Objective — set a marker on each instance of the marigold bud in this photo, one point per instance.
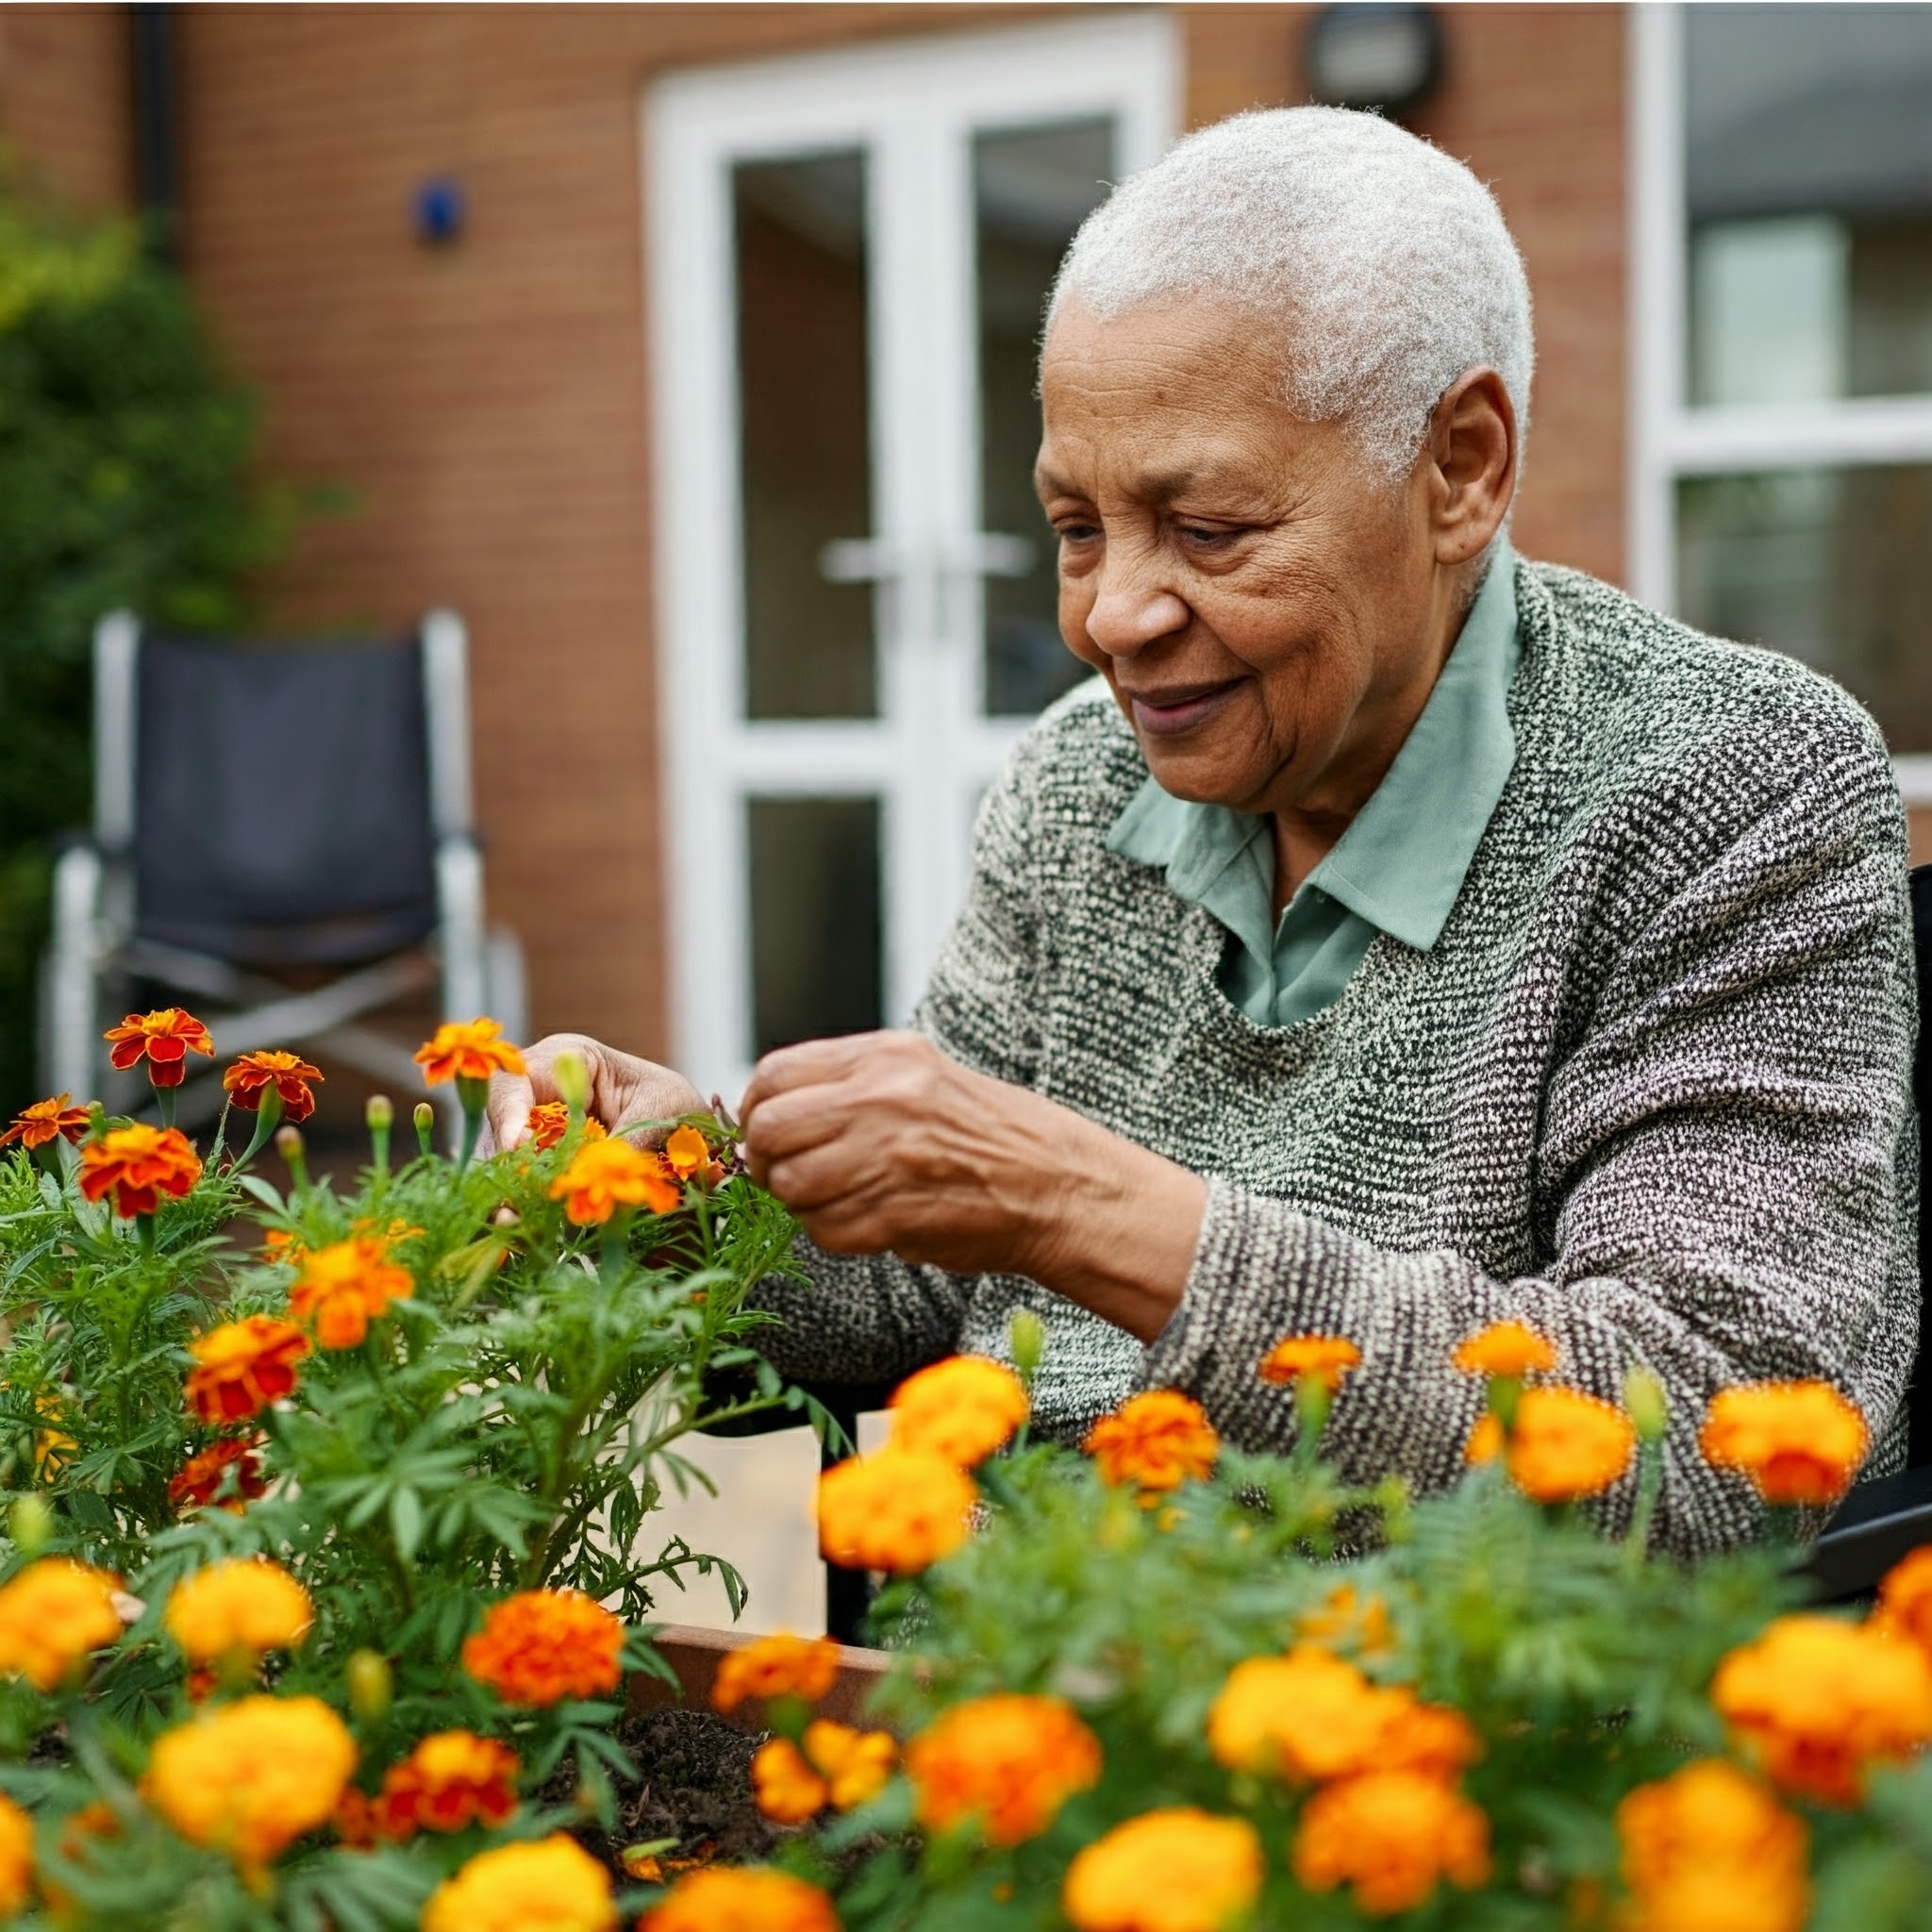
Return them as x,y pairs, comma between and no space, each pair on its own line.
1026,1339
289,1143
571,1079
30,1523
1646,1404
372,1685
380,1112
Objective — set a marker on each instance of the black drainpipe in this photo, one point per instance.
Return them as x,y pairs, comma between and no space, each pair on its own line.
157,172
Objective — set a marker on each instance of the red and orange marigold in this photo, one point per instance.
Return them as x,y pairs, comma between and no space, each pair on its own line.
1004,1764
467,1050
241,1367
138,1165
451,1780
287,1074
345,1286
1155,1441
1904,1599
201,1478
1795,1441
605,1174
164,1039
549,1121
45,1121
540,1646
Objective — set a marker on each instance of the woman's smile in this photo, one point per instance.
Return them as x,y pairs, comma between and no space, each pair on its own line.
1172,710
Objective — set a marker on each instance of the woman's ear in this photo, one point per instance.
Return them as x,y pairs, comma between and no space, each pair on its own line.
1473,458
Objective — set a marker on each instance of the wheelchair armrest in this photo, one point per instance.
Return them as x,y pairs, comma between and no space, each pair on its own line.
1875,1526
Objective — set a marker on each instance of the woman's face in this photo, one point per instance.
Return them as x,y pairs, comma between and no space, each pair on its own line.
1270,617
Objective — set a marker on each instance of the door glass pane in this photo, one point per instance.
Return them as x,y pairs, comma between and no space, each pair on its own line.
1832,565
805,453
1032,187
1808,155
815,930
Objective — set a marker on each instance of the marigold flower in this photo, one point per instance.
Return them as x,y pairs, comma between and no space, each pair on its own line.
1904,1598
344,1287
1563,1444
450,1780
289,1074
777,1666
1006,1764
540,1646
549,1121
1816,1702
52,1614
138,1165
241,1602
838,1766
554,1884
962,1408
199,1481
16,1858
163,1038
1309,1715
1155,1440
901,1511
604,1175
1708,1849
686,1152
1180,1870
1321,1358
1796,1441
251,1778
467,1050
722,1898
1393,1836
1344,1619
241,1367
787,1789
1506,1348
47,1120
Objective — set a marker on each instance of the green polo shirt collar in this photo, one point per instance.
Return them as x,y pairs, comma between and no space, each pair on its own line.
1398,867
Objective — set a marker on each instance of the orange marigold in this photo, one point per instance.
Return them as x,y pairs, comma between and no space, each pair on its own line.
777,1666
838,1766
467,1050
1816,1702
543,1645
1506,1348
1321,1359
1180,1870
241,1367
1904,1598
164,1039
251,1778
138,1165
344,1287
787,1789
548,1121
16,1858
1708,1849
201,1480
1796,1441
52,1614
1344,1619
745,1898
900,1509
1309,1715
962,1408
47,1120
288,1075
450,1780
1393,1836
1563,1444
554,1884
1155,1440
687,1152
1004,1764
241,1603
604,1175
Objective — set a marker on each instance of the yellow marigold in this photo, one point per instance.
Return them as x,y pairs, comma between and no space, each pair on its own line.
553,1884
900,1509
1309,1715
1816,1702
962,1408
1323,1358
344,1287
16,1858
52,1614
543,1645
604,1175
1711,1850
777,1666
467,1050
1564,1445
1904,1598
745,1898
1180,1870
241,1602
1346,1620
1005,1763
1393,1836
1796,1441
1506,1348
251,1778
1157,1440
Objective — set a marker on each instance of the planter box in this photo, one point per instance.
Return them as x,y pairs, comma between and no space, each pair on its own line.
694,1654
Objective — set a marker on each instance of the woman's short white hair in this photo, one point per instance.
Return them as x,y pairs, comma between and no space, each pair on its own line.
1385,264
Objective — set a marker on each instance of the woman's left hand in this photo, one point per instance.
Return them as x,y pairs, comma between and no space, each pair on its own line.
877,1142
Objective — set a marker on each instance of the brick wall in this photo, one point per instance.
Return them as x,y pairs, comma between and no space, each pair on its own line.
65,89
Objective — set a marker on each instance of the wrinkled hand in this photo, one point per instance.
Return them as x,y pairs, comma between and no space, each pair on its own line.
879,1142
622,1087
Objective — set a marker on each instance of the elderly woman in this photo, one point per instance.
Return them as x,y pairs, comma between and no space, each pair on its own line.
1397,935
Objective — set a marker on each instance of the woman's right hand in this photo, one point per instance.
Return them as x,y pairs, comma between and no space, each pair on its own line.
622,1087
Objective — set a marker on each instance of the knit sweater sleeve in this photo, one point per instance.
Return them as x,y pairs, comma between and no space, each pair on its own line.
1727,1162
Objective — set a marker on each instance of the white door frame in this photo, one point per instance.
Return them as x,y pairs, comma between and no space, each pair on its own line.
914,105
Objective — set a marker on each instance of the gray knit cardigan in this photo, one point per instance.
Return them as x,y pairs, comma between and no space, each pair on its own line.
1649,1092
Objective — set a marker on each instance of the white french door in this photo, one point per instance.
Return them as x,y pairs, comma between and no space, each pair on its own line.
847,258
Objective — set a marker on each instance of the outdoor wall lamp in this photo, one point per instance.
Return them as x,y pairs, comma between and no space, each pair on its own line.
1387,58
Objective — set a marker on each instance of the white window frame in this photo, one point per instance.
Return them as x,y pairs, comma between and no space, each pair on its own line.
1670,440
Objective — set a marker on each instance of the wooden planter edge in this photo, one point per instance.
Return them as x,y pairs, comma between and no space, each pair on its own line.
694,1654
